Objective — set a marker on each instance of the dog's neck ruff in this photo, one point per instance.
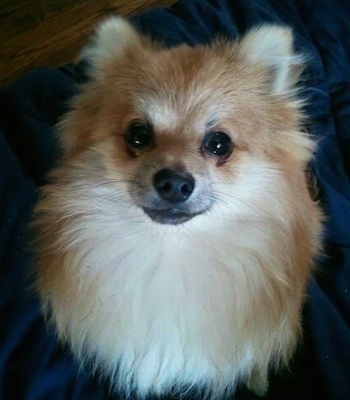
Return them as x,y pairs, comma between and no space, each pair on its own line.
162,307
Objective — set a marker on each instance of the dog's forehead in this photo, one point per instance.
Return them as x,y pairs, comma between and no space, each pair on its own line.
183,87
165,114
180,108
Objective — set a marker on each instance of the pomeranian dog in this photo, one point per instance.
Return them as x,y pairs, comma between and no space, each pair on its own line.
177,234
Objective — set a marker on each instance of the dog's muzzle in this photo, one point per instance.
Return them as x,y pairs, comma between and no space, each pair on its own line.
173,190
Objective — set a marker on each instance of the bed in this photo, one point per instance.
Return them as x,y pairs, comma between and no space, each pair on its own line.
33,365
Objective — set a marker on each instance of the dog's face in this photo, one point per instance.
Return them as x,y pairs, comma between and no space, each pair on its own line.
185,129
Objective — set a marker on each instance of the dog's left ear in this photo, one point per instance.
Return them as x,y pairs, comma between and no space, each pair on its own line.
272,46
112,39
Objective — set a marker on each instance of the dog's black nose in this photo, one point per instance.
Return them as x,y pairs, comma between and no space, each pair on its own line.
173,186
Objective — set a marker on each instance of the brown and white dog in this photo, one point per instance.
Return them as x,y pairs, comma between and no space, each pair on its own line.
177,235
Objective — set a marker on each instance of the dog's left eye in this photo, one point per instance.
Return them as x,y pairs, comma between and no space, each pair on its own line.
218,143
139,136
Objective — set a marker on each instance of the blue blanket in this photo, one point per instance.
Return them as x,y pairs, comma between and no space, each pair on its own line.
33,365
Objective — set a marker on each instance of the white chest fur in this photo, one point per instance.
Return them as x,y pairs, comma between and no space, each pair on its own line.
171,306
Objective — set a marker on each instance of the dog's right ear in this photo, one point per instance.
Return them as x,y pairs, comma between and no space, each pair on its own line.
112,38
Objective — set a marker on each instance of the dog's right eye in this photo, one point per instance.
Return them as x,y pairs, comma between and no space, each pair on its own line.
139,136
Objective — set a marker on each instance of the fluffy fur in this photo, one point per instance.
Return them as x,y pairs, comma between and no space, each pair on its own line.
216,300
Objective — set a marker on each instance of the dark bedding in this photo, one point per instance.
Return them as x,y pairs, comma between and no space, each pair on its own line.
32,364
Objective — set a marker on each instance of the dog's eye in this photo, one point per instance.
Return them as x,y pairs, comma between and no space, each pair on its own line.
139,136
218,143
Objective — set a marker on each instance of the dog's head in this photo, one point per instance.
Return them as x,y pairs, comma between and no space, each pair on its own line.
187,130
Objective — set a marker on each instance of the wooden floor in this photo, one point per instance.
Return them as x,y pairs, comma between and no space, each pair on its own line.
48,33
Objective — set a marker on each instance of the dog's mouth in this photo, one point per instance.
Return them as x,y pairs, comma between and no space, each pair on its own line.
169,216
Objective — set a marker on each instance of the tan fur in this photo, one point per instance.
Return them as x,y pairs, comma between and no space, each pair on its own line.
217,300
